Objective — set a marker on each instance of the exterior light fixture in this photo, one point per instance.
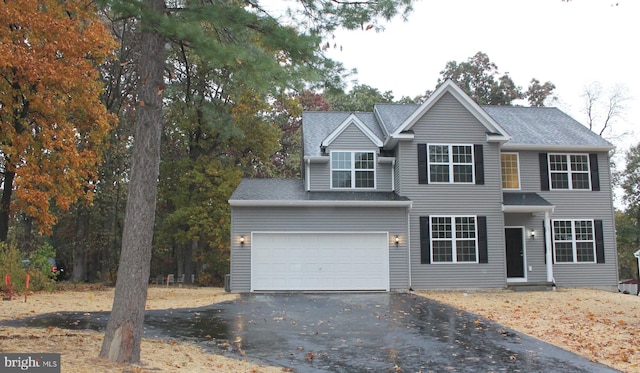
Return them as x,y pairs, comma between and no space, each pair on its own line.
397,240
533,234
242,241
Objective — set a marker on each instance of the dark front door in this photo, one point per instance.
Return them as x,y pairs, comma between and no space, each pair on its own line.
515,252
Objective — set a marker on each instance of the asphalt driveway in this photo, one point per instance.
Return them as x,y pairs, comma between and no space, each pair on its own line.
370,332
350,332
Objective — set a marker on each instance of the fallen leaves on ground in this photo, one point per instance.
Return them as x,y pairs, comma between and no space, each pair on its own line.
80,348
599,325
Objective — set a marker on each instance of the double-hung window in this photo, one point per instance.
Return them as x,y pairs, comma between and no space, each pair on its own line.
353,170
454,239
569,171
450,163
574,241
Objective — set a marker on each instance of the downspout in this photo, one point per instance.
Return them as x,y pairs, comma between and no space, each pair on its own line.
307,175
548,252
409,247
637,255
393,175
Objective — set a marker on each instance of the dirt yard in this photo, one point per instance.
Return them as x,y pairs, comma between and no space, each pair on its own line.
601,326
80,349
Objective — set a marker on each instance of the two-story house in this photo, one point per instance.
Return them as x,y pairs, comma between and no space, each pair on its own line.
442,195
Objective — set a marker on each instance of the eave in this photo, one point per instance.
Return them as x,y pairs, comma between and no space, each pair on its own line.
306,203
556,148
526,209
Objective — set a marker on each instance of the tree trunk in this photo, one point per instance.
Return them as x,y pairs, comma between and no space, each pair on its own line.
179,253
80,250
26,241
5,203
188,262
124,329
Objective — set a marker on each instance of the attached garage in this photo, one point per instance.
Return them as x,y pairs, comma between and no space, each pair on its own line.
323,261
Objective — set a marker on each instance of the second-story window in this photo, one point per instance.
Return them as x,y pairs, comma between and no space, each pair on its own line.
569,171
352,169
450,163
510,171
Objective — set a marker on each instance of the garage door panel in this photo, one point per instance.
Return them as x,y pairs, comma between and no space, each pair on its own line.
320,261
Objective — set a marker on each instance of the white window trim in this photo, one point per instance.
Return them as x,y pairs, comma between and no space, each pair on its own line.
451,164
517,164
574,247
453,239
569,171
352,169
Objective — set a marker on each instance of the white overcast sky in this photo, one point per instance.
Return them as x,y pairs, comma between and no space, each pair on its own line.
570,44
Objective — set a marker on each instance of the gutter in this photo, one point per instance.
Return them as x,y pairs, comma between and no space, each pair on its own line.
311,203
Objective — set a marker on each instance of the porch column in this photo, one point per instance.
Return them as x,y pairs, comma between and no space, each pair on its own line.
547,242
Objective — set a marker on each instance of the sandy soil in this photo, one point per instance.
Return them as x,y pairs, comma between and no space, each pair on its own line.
601,326
80,349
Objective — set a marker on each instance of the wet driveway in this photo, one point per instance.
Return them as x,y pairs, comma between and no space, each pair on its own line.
361,332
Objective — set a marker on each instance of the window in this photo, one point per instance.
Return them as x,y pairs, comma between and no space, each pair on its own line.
574,241
450,163
454,239
569,171
352,170
510,171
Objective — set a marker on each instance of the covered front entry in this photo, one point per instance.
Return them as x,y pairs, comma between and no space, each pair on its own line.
515,251
319,261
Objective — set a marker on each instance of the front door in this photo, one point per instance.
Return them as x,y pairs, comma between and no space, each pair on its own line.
514,238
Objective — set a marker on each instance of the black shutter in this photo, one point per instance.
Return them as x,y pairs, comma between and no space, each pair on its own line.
483,249
544,171
425,242
595,176
422,164
478,156
599,240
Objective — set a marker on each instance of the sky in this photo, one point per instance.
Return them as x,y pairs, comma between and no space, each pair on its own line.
571,44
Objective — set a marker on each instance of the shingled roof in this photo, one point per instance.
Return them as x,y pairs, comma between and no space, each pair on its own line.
265,192
528,127
540,127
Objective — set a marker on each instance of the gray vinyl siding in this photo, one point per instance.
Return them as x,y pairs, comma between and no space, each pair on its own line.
579,204
536,270
317,219
351,139
320,176
449,123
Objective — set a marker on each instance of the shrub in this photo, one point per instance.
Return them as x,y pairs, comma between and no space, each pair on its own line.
12,263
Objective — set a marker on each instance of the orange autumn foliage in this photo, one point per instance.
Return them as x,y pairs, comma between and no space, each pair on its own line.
52,122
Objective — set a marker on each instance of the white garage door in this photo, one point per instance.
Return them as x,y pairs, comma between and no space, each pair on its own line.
319,261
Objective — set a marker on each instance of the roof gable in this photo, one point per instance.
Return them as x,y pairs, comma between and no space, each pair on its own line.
355,121
494,130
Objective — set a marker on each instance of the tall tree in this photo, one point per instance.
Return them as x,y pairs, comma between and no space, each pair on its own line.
538,93
246,39
628,223
360,98
603,107
124,329
481,80
628,242
52,123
